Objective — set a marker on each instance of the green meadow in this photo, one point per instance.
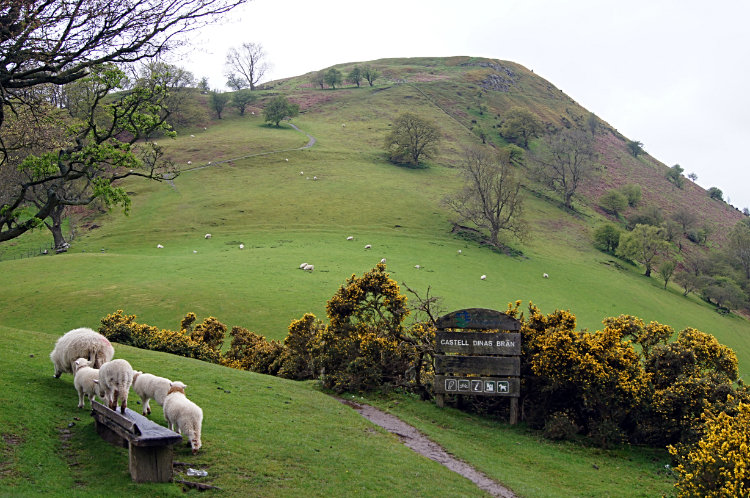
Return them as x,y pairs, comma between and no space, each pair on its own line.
256,444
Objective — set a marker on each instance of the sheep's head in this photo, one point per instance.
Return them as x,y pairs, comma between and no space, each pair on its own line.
82,363
176,387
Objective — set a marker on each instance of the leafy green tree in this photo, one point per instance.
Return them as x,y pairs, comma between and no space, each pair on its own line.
515,154
217,101
235,82
492,197
355,76
670,229
279,108
633,193
521,124
614,202
592,124
693,177
481,133
723,291
688,281
370,74
318,78
738,246
685,217
635,147
645,245
716,193
608,237
648,215
48,45
564,163
666,270
674,175
479,103
203,85
242,99
411,138
333,77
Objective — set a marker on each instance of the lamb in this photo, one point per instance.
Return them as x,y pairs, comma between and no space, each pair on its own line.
208,236
150,387
80,343
368,246
302,266
545,276
309,267
159,246
350,238
115,379
242,246
483,277
183,415
382,260
84,381
417,267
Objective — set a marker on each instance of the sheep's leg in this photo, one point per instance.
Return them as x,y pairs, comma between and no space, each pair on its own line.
80,399
113,399
146,407
124,403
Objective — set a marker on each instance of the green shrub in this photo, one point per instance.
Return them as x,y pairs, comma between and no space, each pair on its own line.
614,202
633,193
608,237
716,193
560,427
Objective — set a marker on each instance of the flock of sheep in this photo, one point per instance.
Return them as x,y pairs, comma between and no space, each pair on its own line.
88,356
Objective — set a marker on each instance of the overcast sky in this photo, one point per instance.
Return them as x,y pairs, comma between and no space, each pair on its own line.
672,74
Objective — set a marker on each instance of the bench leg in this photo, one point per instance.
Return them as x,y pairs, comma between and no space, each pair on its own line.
151,463
109,435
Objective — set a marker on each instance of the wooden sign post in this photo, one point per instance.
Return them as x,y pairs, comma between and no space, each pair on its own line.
494,367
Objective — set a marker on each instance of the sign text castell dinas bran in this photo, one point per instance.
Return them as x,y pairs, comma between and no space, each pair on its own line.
492,366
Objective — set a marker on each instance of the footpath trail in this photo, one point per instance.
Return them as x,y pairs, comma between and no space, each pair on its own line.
170,178
418,442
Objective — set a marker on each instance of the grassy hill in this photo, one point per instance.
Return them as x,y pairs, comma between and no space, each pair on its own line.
254,445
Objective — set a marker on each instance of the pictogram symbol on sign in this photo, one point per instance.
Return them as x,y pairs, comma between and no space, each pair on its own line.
463,385
451,384
489,386
476,386
503,387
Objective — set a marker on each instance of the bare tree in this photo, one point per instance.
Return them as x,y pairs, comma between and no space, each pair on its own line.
491,198
567,161
250,61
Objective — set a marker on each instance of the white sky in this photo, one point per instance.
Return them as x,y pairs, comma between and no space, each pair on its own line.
672,74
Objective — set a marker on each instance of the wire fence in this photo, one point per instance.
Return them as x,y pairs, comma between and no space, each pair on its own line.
45,249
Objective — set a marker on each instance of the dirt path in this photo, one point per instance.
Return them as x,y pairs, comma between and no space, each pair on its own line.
169,178
418,442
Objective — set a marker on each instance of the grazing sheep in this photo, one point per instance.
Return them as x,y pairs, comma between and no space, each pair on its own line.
301,173
80,343
195,252
368,246
459,251
115,379
183,415
350,238
545,276
192,136
190,162
382,260
302,266
483,277
315,177
307,178
209,162
205,128
242,246
417,267
208,236
150,387
252,112
159,246
309,267
287,160
343,126
84,381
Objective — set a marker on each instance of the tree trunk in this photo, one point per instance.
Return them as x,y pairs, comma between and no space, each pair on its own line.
648,271
57,216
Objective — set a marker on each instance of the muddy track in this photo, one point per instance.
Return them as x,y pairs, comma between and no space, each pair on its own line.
418,442
169,178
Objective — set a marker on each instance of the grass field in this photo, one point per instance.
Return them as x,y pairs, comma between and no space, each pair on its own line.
283,219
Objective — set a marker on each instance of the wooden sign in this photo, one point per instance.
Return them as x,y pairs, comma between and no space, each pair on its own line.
485,386
508,344
478,318
479,365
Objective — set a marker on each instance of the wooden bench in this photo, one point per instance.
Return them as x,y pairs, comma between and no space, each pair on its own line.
149,444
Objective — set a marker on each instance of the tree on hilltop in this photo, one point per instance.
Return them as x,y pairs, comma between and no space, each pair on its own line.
635,147
45,46
592,124
217,101
674,175
250,60
355,76
279,108
333,77
235,82
370,74
411,138
318,78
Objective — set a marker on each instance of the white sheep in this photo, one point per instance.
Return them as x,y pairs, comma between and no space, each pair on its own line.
368,246
309,267
307,178
459,251
545,276
209,162
242,246
315,177
301,173
182,415
252,112
80,343
302,266
192,136
195,252
350,238
84,381
207,236
190,162
115,379
343,126
159,246
149,387
483,277
287,160
382,260
417,267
